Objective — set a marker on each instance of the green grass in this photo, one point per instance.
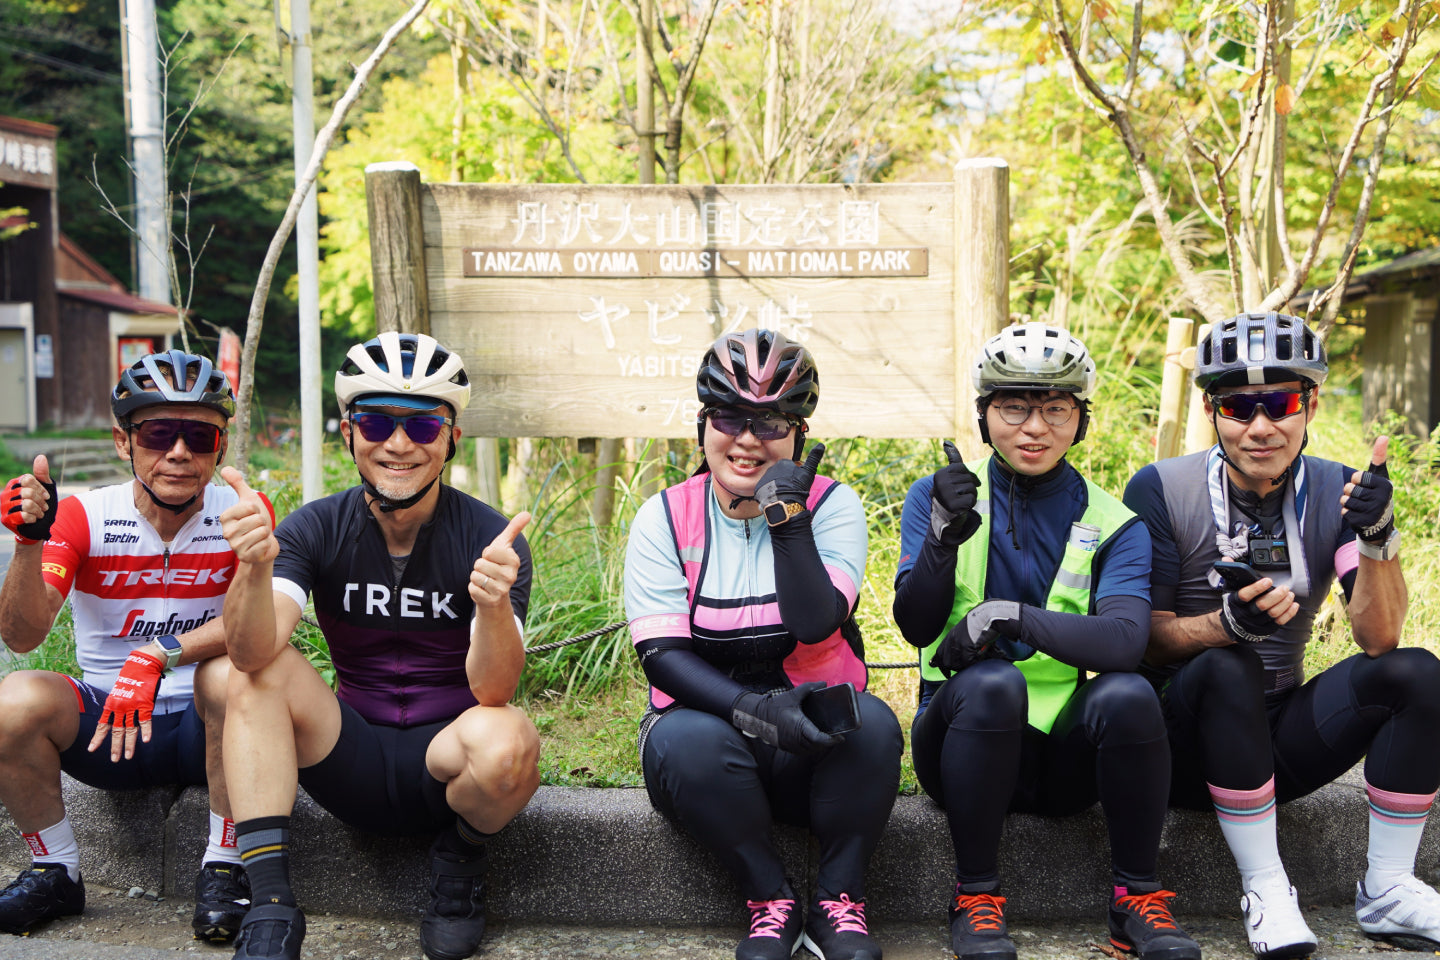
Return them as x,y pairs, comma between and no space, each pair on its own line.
586,699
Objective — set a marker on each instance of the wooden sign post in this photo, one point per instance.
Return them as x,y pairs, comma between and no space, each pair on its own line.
583,311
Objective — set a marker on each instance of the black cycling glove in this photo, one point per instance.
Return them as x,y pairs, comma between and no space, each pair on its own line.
1244,621
972,639
953,518
38,530
788,482
1370,507
776,719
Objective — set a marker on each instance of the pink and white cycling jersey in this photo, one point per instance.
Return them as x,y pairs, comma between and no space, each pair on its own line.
128,585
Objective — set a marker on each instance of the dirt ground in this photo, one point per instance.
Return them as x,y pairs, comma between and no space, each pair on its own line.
117,917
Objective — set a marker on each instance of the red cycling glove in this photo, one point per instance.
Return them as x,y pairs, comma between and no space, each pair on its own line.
132,700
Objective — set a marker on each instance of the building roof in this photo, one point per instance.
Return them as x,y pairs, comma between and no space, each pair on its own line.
1416,265
79,276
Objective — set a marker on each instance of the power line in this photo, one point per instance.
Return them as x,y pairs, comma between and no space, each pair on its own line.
50,61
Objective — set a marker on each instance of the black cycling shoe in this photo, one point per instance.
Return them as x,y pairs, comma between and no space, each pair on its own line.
271,931
1142,924
454,919
977,927
39,895
222,896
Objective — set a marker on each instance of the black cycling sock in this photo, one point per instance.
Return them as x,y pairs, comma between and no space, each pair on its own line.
462,839
264,845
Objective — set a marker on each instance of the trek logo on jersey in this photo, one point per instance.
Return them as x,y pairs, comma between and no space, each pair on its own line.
54,569
377,597
198,576
137,626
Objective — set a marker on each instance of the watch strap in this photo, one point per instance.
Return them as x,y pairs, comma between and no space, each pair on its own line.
172,648
1386,549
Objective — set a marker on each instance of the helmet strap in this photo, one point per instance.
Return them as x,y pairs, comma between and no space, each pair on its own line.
388,504
1285,474
156,500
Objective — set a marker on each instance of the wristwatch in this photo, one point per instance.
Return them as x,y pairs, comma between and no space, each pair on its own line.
172,649
1386,550
780,511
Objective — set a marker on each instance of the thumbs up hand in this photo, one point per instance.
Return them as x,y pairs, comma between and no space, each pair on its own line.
28,503
953,519
246,525
1368,499
788,482
498,567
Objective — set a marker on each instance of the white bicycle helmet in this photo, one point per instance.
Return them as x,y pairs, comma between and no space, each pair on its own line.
402,365
1034,356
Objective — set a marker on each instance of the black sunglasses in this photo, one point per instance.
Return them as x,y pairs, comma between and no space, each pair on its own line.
422,428
1242,406
765,426
160,434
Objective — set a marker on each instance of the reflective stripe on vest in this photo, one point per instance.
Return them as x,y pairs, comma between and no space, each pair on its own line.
831,660
1049,682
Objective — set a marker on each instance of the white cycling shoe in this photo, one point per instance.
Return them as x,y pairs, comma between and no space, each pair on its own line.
1273,920
1408,914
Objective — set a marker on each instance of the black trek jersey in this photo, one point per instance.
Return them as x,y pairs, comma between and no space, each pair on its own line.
398,647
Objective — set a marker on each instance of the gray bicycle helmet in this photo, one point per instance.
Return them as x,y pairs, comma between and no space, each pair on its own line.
1034,356
171,377
1255,348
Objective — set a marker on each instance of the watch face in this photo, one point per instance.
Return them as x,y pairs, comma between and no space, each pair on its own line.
775,513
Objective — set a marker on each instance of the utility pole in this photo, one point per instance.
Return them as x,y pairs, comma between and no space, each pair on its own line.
145,110
307,247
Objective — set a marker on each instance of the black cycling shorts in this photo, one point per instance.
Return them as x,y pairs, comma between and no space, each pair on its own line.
175,754
375,778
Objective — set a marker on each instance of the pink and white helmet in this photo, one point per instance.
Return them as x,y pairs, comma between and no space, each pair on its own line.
762,369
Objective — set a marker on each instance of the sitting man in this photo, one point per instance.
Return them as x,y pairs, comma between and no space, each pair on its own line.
148,569
421,592
1246,729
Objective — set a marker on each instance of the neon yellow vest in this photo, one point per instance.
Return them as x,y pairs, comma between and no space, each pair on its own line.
1049,682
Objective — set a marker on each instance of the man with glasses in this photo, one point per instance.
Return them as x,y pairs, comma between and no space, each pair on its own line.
1227,644
1026,588
421,593
146,568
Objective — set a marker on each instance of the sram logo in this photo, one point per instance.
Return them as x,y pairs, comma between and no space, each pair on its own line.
159,575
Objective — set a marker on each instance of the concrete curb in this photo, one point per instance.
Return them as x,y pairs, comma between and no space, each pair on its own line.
604,856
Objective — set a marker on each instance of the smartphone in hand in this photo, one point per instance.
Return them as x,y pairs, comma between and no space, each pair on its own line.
1236,574
835,709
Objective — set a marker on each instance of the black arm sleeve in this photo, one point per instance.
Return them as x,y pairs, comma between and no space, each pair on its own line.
810,606
671,666
925,593
1112,640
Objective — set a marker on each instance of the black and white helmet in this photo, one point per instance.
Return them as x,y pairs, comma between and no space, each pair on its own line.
171,377
1034,356
402,365
1257,348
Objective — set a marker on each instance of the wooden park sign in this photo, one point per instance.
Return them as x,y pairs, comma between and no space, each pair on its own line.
584,310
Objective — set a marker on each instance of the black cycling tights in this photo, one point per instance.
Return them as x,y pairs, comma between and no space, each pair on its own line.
1385,709
975,754
725,788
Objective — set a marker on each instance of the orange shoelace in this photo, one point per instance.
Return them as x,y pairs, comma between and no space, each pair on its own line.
983,910
1151,907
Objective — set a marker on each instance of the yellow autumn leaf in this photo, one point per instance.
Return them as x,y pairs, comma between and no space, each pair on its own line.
1250,81
1285,99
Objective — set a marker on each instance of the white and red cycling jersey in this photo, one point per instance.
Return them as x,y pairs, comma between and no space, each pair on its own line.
128,585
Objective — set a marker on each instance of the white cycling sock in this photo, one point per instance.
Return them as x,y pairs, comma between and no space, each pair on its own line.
55,844
1397,821
222,841
1247,819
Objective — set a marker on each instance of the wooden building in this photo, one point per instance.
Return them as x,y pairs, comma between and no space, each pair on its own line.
65,324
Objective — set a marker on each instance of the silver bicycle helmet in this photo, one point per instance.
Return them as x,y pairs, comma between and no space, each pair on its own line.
1255,348
1034,356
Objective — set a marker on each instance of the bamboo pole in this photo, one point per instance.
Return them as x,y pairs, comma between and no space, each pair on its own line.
982,278
1172,389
